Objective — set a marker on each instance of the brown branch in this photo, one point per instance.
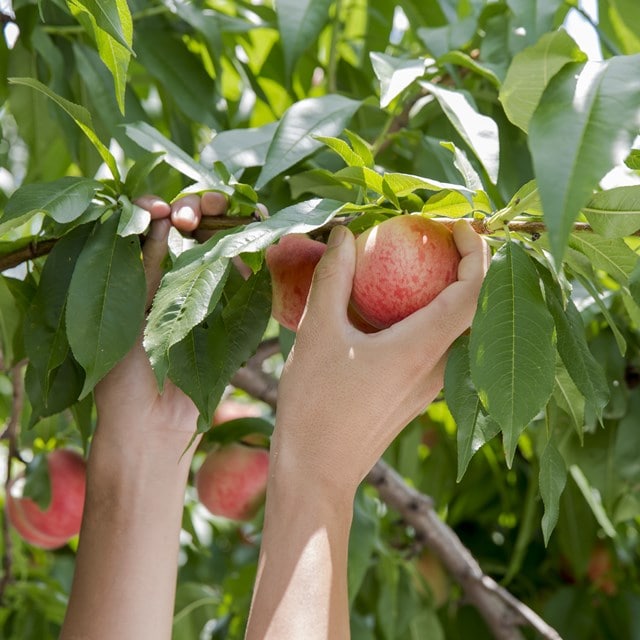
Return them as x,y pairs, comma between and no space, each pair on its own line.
209,225
503,613
11,434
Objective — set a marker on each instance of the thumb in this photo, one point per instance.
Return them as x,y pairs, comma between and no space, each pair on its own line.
153,253
332,280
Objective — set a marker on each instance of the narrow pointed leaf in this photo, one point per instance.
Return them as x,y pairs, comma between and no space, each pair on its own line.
80,116
569,398
395,74
479,131
593,499
300,23
113,17
611,255
475,427
105,306
294,139
594,108
512,344
553,478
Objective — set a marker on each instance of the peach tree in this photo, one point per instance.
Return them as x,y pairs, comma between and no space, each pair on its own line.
522,117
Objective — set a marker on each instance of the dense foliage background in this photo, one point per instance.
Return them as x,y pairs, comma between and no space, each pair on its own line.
352,110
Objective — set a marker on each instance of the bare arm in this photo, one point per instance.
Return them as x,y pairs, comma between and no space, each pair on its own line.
125,578
343,397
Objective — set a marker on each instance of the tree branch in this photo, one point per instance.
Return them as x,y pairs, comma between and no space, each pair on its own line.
210,225
503,613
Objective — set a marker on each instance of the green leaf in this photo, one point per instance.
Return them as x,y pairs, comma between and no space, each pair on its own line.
113,37
479,131
299,23
402,184
139,171
593,499
111,16
611,255
395,74
362,541
105,306
475,427
634,283
361,147
239,148
512,344
531,71
569,398
294,138
461,162
237,429
64,200
343,150
615,213
80,116
134,220
584,369
203,363
153,141
45,335
465,60
452,204
187,294
594,109
553,478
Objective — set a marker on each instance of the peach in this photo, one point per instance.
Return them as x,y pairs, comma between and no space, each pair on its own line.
54,526
402,264
232,481
292,262
232,409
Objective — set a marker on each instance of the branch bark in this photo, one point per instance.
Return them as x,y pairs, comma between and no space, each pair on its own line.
503,613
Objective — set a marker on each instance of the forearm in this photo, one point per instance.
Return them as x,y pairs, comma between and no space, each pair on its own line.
301,587
124,584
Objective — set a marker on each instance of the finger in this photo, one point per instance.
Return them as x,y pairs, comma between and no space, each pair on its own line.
332,280
155,205
435,327
153,253
186,213
213,203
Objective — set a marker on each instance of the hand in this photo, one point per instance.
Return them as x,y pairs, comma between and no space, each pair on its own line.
130,388
345,395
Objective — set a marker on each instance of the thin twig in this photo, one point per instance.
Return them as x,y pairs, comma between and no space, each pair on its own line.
503,612
11,434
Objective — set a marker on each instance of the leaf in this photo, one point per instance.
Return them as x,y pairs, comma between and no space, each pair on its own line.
479,131
614,213
611,255
294,138
461,162
569,398
634,283
45,335
403,184
239,148
362,542
395,74
299,23
64,200
553,478
593,499
134,220
203,363
594,109
361,147
475,427
465,60
351,158
531,71
112,17
512,344
112,35
584,369
80,116
105,306
187,293
152,140
452,204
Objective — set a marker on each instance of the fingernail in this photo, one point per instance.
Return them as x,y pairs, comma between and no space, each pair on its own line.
186,214
336,236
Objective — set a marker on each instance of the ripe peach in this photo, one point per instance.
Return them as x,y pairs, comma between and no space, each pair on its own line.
402,264
232,481
292,262
54,526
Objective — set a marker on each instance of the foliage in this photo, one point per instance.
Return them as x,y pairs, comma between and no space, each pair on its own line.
356,111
